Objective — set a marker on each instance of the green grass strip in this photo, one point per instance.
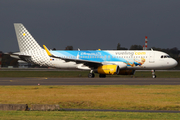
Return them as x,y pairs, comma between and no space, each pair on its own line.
64,115
116,97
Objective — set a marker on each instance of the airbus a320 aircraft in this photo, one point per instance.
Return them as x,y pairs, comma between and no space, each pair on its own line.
103,62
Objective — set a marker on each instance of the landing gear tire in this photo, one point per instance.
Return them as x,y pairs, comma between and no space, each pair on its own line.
154,76
102,75
91,75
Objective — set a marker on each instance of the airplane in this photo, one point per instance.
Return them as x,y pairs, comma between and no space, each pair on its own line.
103,62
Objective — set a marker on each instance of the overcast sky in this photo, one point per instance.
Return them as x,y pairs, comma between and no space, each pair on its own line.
91,24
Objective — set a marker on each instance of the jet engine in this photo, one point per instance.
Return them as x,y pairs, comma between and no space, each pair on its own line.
107,69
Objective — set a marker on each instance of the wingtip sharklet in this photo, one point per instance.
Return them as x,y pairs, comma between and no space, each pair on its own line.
47,51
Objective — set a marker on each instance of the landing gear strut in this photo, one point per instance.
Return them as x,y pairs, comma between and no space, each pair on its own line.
91,74
153,74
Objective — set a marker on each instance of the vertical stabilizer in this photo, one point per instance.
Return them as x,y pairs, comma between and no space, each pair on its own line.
25,40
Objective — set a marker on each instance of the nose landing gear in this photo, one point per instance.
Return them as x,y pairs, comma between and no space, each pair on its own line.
153,74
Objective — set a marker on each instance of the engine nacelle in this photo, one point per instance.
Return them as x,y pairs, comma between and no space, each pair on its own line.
126,72
107,69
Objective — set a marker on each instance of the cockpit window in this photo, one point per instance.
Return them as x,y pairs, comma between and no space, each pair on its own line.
165,56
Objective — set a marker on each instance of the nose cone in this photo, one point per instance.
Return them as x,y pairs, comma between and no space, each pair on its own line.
173,63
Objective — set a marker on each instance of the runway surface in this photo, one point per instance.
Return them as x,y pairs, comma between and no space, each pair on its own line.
89,81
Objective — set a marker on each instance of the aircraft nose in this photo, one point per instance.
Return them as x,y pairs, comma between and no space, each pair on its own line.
173,63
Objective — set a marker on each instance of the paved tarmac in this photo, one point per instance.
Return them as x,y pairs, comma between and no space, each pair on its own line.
89,81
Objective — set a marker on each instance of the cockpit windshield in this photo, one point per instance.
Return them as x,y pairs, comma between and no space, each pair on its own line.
165,56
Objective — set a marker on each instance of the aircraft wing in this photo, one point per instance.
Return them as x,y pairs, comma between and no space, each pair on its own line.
88,63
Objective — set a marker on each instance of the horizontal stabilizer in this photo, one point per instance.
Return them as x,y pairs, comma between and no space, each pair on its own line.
17,55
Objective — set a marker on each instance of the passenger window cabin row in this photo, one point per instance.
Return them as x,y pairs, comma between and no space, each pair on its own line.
74,57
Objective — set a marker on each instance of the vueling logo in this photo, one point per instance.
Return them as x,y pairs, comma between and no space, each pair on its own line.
140,53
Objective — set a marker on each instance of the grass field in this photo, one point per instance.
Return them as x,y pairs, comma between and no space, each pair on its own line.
138,74
123,97
63,115
127,97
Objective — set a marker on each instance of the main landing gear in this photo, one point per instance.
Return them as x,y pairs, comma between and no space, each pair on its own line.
91,74
153,74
